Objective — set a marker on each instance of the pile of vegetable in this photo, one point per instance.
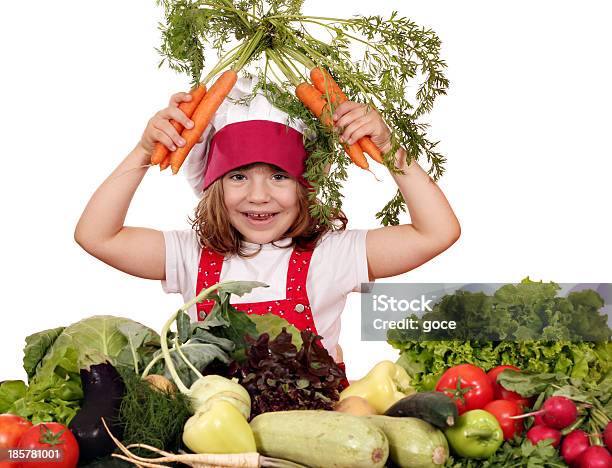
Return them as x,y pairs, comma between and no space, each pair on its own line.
308,65
526,325
567,426
232,390
251,391
135,389
530,374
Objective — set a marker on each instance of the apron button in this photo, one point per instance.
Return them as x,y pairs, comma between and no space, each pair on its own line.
299,308
202,315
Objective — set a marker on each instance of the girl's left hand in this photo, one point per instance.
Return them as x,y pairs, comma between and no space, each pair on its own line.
357,120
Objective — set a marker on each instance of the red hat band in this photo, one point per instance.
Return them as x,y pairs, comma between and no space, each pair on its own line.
252,141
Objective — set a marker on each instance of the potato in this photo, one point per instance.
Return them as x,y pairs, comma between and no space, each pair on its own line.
161,383
356,406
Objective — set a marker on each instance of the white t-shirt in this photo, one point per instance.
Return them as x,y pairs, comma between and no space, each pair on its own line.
338,266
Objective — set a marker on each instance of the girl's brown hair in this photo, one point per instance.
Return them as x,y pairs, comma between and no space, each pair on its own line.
214,230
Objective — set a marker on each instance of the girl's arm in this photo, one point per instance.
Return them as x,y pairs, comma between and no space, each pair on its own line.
394,250
100,230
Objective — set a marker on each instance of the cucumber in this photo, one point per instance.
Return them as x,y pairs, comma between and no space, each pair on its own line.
320,439
434,407
413,443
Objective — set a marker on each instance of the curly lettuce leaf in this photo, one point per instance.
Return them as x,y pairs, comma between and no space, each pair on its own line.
11,391
525,325
55,392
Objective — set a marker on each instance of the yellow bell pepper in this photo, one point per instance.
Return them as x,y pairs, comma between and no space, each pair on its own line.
219,429
385,384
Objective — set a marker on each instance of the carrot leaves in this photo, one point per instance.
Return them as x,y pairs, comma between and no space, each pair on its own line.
391,64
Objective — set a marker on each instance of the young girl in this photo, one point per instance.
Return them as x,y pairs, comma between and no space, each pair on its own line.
253,220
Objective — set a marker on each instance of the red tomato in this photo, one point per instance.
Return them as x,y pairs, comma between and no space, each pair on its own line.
467,385
51,436
12,427
502,410
500,393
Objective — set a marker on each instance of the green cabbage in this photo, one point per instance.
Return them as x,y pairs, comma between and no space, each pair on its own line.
53,359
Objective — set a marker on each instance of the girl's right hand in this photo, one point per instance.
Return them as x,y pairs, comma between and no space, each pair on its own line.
159,128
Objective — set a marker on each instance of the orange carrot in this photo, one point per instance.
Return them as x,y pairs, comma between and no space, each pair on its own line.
165,163
314,101
368,146
324,82
356,154
161,151
202,116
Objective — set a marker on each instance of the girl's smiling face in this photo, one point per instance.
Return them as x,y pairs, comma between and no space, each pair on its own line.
262,202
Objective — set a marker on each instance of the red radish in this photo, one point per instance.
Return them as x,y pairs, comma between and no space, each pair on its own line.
596,457
557,412
538,421
607,435
538,433
574,444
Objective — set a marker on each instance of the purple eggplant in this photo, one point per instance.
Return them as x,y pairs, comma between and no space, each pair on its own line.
103,388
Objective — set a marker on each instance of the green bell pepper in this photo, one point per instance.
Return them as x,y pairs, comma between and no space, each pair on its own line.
476,434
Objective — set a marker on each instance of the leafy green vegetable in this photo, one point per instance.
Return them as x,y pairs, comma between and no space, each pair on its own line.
11,391
151,416
199,354
529,385
100,338
53,359
280,376
215,340
55,392
36,347
225,321
525,325
525,455
273,325
142,343
213,344
183,326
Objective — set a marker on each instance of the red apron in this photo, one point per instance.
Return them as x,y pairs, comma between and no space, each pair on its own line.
295,308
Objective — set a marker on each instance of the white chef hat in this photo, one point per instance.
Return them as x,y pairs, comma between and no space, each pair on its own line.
241,134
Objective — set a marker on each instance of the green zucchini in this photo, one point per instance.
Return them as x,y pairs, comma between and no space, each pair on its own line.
413,443
434,407
325,439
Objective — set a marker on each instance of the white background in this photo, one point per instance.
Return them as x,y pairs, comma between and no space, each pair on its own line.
525,127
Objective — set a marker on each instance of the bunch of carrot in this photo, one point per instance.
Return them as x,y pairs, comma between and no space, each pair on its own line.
200,110
203,106
313,96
